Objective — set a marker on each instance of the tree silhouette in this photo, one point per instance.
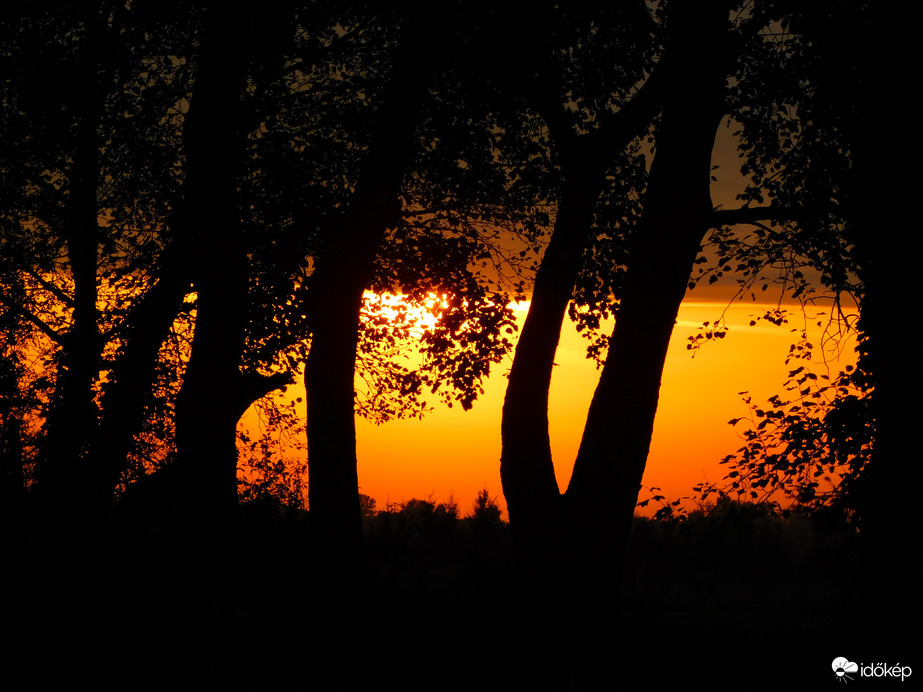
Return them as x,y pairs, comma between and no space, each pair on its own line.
83,271
344,271
752,52
216,390
197,198
219,175
856,145
427,217
813,445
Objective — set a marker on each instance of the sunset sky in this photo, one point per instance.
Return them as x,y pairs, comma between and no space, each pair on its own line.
456,452
452,452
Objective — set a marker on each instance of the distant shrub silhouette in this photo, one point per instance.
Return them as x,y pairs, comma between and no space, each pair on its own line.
741,557
485,508
425,545
367,506
450,506
415,524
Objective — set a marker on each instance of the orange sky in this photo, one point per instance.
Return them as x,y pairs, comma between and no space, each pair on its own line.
453,452
456,452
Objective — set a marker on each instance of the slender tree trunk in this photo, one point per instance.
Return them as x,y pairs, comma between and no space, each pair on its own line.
132,374
677,210
584,546
343,271
526,465
73,414
603,490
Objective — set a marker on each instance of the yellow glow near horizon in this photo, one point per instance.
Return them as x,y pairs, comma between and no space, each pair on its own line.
452,452
456,453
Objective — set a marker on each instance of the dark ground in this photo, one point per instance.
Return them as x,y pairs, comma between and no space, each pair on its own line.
739,601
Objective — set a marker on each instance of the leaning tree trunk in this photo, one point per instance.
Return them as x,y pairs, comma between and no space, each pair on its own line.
603,491
132,375
616,438
585,558
526,465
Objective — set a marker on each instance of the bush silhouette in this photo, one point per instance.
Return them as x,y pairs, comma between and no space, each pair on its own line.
485,509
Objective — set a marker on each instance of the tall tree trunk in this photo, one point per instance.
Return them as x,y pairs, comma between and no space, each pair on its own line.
208,406
526,465
343,271
73,413
147,324
886,149
677,211
603,491
583,548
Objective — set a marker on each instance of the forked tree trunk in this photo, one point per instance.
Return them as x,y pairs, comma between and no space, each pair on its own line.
587,533
526,465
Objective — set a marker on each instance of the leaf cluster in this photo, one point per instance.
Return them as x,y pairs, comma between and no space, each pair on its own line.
808,449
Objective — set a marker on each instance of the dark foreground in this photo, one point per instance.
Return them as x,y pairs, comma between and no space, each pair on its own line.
734,600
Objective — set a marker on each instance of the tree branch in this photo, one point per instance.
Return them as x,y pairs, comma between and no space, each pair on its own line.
253,386
730,217
56,337
51,288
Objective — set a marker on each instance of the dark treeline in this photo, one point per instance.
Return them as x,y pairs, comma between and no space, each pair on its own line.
721,591
196,198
